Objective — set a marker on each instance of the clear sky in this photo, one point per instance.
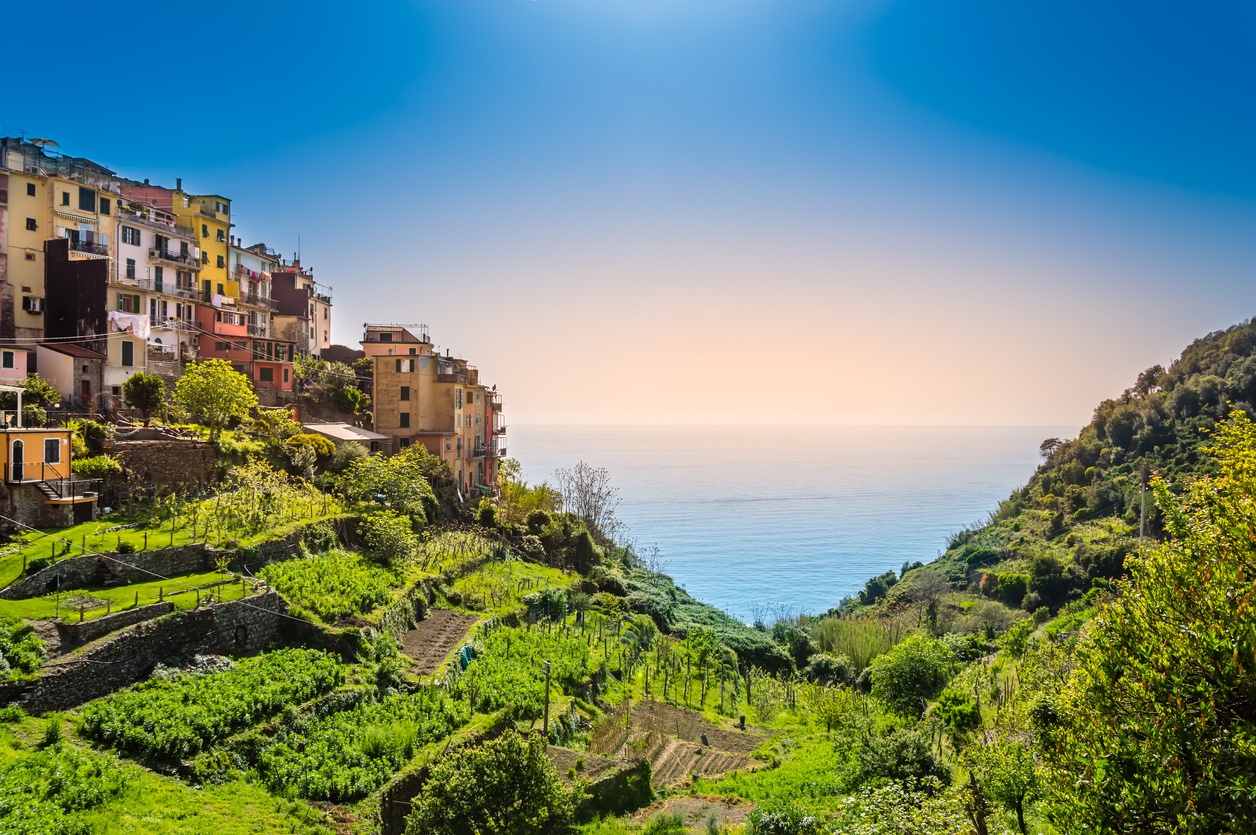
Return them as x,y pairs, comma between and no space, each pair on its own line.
708,211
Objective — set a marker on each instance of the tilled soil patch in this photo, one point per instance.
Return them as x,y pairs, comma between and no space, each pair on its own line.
696,810
436,636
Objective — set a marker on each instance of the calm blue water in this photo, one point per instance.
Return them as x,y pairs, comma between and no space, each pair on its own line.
796,516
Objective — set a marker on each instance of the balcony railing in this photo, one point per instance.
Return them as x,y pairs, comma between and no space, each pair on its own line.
257,330
189,261
499,429
255,300
166,287
89,247
495,401
170,323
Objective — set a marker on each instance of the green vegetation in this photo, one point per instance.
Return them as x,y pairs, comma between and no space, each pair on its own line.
21,651
178,716
346,755
215,393
330,586
144,392
505,786
93,602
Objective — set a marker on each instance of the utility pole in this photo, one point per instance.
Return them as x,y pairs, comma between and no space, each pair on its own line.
1142,515
545,723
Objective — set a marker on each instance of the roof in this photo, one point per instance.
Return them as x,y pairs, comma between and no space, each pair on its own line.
71,350
345,432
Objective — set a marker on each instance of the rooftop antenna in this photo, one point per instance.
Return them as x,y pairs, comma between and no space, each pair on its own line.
298,246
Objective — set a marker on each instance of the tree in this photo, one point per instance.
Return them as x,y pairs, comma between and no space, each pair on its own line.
910,674
587,492
145,393
504,787
388,538
399,481
519,500
215,393
1008,773
1154,730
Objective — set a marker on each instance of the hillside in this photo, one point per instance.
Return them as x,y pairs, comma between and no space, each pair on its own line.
344,647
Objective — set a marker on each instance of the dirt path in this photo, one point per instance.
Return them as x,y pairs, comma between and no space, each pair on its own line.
438,635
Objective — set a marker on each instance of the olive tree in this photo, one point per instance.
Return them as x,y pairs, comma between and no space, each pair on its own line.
145,393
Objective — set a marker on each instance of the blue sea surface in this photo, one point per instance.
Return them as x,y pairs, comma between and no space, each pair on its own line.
791,517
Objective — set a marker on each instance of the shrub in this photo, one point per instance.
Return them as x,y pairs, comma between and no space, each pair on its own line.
910,674
330,586
824,668
479,789
904,755
665,823
958,710
538,521
21,651
323,447
783,821
346,455
388,538
486,514
97,466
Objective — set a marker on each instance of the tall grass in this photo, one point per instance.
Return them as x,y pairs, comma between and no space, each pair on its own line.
859,639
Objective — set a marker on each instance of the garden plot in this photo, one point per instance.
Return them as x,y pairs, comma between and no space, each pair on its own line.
696,811
435,638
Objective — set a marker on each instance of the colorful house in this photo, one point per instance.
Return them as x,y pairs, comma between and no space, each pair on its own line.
39,486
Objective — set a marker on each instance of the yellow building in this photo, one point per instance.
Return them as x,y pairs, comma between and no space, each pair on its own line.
209,218
39,487
50,195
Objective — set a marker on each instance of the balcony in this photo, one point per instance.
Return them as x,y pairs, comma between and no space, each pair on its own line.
167,288
189,262
257,330
495,401
254,300
155,219
92,249
170,323
499,429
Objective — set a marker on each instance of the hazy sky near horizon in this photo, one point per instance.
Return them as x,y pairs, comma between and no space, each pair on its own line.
710,211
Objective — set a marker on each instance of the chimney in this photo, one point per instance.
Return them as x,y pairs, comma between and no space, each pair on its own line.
145,181
178,183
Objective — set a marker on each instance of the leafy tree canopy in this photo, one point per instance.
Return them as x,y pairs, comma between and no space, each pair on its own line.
215,393
504,787
145,393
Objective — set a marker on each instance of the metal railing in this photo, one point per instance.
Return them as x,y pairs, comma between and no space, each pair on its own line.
89,247
190,261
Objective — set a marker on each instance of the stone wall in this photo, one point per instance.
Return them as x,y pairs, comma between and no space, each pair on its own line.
145,566
77,634
26,504
128,656
406,612
177,464
140,567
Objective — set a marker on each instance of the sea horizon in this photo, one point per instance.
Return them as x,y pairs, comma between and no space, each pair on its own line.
790,517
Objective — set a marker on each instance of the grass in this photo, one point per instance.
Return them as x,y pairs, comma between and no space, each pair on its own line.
97,536
180,591
150,803
498,587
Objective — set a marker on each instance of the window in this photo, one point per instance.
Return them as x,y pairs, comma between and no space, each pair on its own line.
31,225
413,351
221,236
183,249
128,303
65,198
222,346
405,366
205,260
87,199
405,420
405,442
130,268
222,208
52,451
130,236
458,398
128,353
6,360
266,375
385,337
104,205
285,375
470,396
30,189
220,283
116,391
405,390
158,275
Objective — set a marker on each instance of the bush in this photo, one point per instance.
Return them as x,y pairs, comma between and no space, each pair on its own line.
911,674
21,651
323,447
824,668
479,789
330,586
785,821
96,466
904,755
666,823
388,538
538,521
958,710
486,514
346,455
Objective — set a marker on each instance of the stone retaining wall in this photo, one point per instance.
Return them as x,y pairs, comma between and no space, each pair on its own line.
166,463
128,656
77,634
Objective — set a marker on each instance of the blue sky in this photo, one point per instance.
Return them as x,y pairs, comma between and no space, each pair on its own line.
698,211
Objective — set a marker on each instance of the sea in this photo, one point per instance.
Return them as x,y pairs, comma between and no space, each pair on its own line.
782,520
